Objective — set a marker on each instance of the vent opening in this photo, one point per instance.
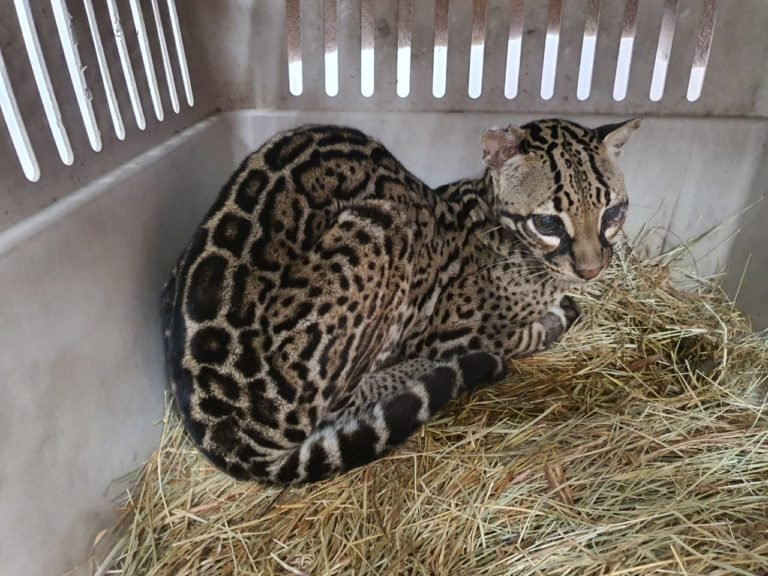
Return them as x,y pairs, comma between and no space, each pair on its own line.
146,57
125,64
106,77
170,81
181,55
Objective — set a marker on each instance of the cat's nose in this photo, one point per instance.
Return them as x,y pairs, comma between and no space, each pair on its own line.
588,273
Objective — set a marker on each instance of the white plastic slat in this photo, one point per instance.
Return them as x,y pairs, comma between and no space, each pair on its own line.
180,53
440,56
146,57
551,46
704,37
43,81
588,49
626,48
166,58
404,21
367,56
76,72
125,63
12,116
106,77
477,49
514,49
331,47
663,50
293,38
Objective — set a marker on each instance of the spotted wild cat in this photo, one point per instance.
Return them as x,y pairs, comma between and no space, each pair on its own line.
330,302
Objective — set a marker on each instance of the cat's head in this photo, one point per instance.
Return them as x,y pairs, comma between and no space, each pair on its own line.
558,185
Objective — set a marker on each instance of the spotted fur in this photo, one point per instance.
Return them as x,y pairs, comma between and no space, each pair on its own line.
330,302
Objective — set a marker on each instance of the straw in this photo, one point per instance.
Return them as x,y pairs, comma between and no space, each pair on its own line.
636,446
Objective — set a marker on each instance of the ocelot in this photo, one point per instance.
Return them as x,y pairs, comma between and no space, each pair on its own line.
330,302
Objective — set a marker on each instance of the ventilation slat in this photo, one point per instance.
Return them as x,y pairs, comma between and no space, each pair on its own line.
588,49
180,53
106,77
331,45
146,57
166,58
588,55
367,56
293,36
404,20
703,46
514,49
43,81
626,47
477,49
69,59
440,58
551,46
76,72
12,116
125,63
663,50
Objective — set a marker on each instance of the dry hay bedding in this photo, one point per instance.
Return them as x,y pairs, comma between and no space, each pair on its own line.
635,446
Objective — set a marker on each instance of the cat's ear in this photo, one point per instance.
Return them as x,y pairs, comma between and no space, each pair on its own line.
501,144
615,136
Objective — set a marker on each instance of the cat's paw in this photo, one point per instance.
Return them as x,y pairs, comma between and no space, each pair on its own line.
571,310
558,320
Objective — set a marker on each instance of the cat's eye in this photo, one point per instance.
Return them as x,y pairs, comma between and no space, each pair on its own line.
614,215
548,225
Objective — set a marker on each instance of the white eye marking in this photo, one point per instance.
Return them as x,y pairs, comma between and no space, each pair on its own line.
611,232
510,222
569,227
549,240
620,210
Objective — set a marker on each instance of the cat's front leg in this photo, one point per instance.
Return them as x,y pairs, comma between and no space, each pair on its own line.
544,332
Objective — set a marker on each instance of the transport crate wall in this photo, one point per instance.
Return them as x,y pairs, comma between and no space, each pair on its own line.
123,118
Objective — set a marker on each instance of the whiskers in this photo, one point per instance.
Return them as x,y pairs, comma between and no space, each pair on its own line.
533,272
486,232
